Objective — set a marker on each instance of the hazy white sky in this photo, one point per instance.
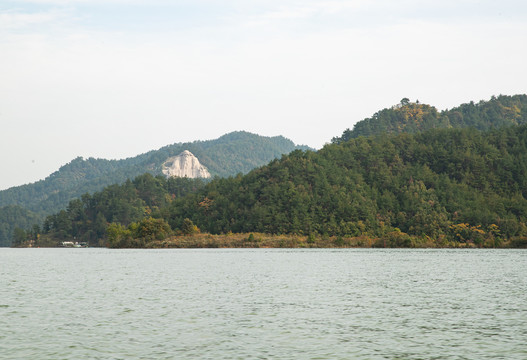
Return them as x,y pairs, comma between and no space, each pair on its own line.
116,78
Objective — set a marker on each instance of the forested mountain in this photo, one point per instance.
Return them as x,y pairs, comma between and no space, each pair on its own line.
412,117
86,219
233,153
439,187
15,217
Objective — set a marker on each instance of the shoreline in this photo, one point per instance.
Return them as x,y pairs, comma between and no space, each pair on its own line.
292,241
260,240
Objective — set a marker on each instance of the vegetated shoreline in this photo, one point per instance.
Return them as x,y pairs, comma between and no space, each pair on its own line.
260,240
394,239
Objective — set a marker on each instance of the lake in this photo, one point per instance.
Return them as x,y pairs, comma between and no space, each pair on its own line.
263,304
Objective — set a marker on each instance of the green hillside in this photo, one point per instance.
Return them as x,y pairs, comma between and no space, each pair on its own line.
441,187
15,217
233,153
412,117
446,184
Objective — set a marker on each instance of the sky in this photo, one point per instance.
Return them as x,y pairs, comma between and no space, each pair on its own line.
116,78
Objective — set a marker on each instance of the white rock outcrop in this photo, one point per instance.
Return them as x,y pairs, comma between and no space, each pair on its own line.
185,165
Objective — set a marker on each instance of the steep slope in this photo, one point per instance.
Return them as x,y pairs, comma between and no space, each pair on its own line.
185,165
230,154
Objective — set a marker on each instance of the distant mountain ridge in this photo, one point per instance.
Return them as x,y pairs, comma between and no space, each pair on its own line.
230,154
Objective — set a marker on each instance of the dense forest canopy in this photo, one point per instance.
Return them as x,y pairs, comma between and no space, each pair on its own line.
424,185
86,219
440,187
233,153
14,217
412,117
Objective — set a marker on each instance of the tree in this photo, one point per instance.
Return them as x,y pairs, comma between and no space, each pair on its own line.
19,236
118,236
188,227
152,229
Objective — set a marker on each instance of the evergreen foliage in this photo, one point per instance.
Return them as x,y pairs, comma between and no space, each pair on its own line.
420,177
14,217
441,187
129,207
412,117
459,185
234,153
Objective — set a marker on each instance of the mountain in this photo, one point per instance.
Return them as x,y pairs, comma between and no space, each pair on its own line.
441,187
421,183
233,153
412,117
13,217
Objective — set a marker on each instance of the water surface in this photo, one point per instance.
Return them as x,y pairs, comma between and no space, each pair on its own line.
263,303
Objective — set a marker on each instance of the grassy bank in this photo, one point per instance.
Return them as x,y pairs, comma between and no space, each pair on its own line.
259,240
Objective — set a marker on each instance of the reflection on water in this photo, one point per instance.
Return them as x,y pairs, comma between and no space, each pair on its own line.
258,303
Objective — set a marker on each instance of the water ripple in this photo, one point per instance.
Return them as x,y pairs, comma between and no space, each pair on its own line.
261,304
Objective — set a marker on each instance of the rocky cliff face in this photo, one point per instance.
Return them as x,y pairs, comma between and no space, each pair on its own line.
185,165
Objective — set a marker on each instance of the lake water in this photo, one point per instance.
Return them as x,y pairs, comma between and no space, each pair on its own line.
263,304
